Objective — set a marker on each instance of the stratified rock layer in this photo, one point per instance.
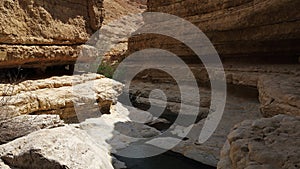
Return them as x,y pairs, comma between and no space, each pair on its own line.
41,33
277,85
57,95
270,143
250,30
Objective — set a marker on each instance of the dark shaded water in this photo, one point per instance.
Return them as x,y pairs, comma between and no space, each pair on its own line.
164,161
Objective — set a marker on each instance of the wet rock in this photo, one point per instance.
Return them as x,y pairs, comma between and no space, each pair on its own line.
63,147
118,164
160,124
263,143
22,125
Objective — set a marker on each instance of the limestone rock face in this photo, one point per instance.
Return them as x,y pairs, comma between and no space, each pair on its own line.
279,94
51,22
116,33
121,19
46,31
57,95
248,30
116,9
238,29
63,147
269,143
22,125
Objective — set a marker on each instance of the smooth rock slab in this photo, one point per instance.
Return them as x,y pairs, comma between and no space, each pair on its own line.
269,143
117,130
63,147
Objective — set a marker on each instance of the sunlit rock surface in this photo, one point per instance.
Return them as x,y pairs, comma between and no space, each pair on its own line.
119,128
57,95
46,33
63,147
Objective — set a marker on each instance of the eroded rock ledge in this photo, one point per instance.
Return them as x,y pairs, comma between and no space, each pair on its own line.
57,95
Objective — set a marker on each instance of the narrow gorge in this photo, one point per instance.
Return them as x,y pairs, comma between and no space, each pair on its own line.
83,86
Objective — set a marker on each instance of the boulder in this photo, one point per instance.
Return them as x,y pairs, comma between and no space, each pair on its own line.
242,104
84,145
62,147
271,143
23,125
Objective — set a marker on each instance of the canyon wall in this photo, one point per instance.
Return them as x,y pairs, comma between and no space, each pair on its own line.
258,43
241,30
44,33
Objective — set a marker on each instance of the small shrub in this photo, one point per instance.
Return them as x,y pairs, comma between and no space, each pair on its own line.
106,69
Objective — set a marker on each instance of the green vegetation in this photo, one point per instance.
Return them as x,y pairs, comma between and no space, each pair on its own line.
106,69
112,71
